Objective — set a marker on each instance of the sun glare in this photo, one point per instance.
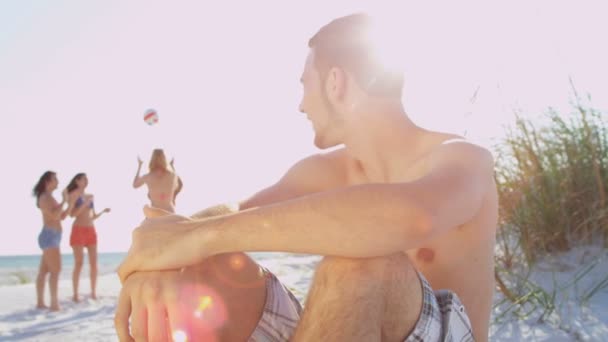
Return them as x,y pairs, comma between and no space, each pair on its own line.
204,303
180,336
388,55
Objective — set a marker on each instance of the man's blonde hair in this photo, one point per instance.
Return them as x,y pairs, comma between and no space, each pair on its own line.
348,43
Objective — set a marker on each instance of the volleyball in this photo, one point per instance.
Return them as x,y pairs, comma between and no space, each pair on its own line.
151,117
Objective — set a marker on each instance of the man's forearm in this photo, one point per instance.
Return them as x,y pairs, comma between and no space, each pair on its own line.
216,210
363,221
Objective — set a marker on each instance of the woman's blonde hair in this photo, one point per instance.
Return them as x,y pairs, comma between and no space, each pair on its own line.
158,160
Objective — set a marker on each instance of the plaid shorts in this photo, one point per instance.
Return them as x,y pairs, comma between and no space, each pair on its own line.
281,313
442,317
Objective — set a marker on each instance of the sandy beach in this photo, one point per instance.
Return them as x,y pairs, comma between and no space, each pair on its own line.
92,320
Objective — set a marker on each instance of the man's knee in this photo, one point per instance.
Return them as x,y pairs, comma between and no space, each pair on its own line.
363,298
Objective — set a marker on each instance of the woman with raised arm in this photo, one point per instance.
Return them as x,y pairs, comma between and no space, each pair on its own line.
83,231
49,238
162,181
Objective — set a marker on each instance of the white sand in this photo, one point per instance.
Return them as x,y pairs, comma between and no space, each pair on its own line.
85,321
93,320
573,319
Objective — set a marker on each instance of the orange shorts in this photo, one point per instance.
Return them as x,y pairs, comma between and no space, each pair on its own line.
83,236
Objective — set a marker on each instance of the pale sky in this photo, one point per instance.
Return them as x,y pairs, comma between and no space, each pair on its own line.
76,78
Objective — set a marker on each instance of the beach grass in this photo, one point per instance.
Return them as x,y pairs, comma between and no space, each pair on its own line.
552,178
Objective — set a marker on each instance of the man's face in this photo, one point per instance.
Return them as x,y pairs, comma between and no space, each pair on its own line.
316,106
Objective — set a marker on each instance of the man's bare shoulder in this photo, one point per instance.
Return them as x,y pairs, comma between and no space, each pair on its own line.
313,174
320,171
452,147
332,162
332,159
465,151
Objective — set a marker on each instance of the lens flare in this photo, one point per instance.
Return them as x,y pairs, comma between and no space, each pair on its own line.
180,336
236,262
205,303
204,307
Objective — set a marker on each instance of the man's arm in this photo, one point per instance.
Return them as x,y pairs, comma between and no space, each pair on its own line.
361,221
310,175
298,181
216,210
169,286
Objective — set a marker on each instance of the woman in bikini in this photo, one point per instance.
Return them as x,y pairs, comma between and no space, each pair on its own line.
162,181
83,231
49,238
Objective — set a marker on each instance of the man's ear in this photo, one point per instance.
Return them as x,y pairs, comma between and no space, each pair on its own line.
335,85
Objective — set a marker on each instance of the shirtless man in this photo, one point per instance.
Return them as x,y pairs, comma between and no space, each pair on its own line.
162,181
396,206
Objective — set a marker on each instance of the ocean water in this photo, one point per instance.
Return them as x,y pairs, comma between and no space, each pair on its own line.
23,269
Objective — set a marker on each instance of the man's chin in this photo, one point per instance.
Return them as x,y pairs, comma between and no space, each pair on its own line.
319,142
323,143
